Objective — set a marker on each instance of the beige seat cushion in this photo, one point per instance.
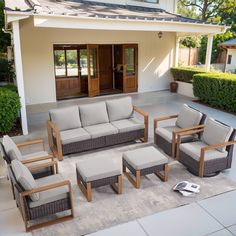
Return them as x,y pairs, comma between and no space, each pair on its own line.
52,194
119,109
25,178
193,149
144,158
188,117
35,155
128,125
93,114
66,118
166,133
101,130
98,168
11,149
216,133
74,135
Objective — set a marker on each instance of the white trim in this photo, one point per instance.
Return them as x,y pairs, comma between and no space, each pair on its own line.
209,53
19,74
176,62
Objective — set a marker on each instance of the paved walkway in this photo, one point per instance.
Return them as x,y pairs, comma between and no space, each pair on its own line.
214,216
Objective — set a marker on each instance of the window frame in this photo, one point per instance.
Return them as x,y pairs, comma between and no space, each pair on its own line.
229,59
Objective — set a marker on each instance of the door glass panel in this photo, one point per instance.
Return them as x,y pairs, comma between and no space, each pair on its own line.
130,61
93,62
60,67
83,62
72,62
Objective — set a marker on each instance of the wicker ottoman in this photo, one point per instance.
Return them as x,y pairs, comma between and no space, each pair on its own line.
98,172
145,161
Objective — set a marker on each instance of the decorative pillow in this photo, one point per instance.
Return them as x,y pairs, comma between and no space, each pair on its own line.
93,114
119,109
11,149
66,118
216,133
188,117
25,178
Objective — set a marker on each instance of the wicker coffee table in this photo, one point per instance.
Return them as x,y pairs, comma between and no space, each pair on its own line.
93,173
144,161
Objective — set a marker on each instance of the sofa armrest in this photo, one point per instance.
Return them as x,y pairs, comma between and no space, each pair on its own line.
53,164
32,142
36,159
145,116
56,150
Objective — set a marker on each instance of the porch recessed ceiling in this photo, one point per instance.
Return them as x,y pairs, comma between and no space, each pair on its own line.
88,9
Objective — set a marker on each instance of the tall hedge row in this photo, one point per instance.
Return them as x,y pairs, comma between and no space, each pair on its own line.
216,89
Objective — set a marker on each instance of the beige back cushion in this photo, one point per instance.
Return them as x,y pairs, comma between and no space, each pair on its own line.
66,118
119,109
93,114
11,149
188,117
216,133
25,178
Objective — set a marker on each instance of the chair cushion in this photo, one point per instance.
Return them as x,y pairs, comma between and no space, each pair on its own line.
52,194
97,168
25,178
128,125
166,133
119,109
216,133
144,158
74,135
193,149
93,114
66,118
188,117
35,155
11,149
101,130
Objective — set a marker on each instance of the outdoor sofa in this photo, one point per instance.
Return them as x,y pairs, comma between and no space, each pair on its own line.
211,153
165,136
80,128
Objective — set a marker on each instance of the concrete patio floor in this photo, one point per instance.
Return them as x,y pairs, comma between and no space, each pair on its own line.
214,216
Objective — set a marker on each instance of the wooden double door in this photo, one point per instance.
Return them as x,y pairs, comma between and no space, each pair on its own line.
86,70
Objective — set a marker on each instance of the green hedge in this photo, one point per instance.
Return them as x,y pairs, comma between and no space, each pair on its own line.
9,109
11,87
216,89
185,74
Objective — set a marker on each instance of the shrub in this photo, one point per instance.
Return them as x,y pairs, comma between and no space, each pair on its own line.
11,87
9,109
7,73
185,74
216,89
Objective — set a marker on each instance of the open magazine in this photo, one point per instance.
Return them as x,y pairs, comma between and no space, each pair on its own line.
186,188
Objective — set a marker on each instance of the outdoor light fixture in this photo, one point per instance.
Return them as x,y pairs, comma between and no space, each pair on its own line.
160,34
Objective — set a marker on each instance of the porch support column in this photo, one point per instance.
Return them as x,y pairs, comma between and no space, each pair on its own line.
209,52
19,74
177,51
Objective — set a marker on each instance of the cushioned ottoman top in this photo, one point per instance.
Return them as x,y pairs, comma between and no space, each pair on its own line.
144,158
97,168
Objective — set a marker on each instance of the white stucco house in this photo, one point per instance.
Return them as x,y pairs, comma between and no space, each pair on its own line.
76,48
230,47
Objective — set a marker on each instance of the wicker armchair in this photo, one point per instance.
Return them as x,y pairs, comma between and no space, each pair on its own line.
187,119
211,153
54,196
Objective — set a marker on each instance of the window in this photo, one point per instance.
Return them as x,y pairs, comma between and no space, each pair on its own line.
229,59
148,1
66,62
130,61
83,62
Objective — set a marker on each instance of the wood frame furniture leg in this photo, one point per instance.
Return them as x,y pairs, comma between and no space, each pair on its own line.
118,188
164,177
86,190
136,182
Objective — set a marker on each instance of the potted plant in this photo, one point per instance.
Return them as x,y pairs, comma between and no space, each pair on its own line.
173,86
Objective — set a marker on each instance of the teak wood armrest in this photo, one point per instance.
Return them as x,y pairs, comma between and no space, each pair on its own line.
43,165
32,142
189,129
208,148
145,116
36,159
46,187
56,150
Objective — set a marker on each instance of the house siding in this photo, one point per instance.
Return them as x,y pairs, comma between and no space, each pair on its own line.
155,56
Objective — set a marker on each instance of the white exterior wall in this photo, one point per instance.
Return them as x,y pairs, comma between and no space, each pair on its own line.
231,67
154,60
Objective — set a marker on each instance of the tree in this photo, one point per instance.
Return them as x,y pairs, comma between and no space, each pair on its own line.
5,39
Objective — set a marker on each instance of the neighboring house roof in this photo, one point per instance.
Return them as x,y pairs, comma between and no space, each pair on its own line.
82,8
228,44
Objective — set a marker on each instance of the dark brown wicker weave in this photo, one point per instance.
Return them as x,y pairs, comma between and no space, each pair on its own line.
33,213
211,167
